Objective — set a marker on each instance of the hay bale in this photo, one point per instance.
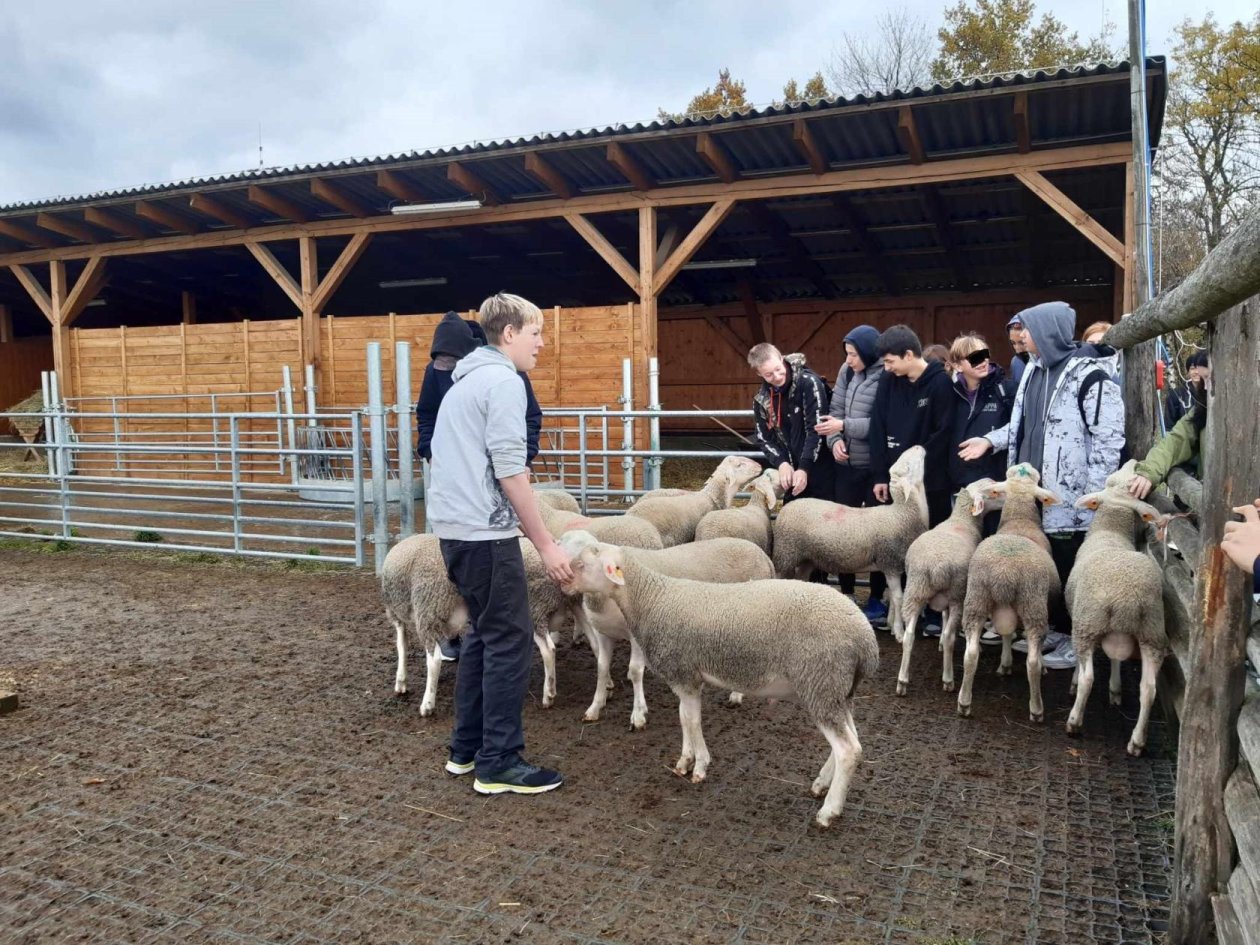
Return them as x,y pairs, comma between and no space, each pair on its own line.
28,427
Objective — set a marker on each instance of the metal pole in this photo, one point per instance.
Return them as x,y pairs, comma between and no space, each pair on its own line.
292,427
214,428
310,389
60,431
113,406
405,410
1141,150
380,468
654,425
582,459
49,436
627,423
356,471
603,432
234,443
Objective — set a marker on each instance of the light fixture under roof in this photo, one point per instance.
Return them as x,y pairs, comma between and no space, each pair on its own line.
441,207
408,283
721,264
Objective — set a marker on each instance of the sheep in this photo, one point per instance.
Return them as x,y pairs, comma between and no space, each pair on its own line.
781,639
750,522
1115,597
814,533
1011,580
676,517
936,575
717,560
557,499
419,595
615,529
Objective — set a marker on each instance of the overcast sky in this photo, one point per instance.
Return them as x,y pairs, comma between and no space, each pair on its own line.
101,94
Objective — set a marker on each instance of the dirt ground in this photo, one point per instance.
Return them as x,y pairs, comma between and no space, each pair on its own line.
213,753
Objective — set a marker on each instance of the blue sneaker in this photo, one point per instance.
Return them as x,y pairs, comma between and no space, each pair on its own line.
876,612
449,650
456,767
521,778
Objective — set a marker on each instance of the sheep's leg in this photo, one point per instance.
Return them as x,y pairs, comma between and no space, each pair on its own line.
638,715
1008,656
433,668
603,648
686,707
701,766
1113,687
973,624
848,754
952,622
400,675
547,649
907,647
896,619
1076,675
1036,709
1084,683
1151,660
825,774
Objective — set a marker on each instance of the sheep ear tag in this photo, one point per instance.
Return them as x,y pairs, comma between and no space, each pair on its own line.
614,574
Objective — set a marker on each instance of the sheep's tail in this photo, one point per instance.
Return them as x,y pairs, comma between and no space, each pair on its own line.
1005,619
867,662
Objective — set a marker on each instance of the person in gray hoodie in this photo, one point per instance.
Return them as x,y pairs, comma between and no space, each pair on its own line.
847,427
479,502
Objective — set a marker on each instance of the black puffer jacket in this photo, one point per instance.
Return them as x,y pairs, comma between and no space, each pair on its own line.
990,411
786,417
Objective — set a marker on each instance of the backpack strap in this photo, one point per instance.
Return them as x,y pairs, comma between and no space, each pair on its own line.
1093,379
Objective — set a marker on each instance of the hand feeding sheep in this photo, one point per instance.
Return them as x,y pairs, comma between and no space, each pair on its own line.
814,534
781,639
676,517
751,521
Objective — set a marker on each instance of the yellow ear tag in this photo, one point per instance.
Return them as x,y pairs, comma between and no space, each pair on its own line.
613,571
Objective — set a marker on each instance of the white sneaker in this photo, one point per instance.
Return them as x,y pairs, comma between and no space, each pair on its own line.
932,629
1062,656
1049,642
990,637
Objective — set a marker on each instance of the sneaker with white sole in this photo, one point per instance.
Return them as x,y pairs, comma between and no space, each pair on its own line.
449,650
1062,656
457,768
990,637
932,629
1048,643
521,778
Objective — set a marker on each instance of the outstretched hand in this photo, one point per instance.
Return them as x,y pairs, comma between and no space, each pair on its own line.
973,449
1140,487
1242,539
880,490
557,563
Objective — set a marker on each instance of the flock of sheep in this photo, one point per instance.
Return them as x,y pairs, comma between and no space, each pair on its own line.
651,577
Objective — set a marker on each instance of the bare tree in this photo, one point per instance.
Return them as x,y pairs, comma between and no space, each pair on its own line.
898,56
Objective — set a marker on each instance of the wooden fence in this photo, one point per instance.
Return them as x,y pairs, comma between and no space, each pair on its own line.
21,361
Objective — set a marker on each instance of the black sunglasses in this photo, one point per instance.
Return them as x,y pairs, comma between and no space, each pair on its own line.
977,358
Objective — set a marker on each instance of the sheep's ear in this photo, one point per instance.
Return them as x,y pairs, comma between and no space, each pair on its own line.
996,491
1091,501
977,503
614,573
1047,497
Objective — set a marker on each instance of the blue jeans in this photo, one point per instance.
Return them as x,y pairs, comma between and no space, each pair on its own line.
494,661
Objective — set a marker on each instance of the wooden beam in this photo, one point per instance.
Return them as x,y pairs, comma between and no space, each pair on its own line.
815,329
856,224
64,226
86,288
278,204
781,235
1067,208
939,216
630,167
399,187
165,216
753,188
108,220
308,263
60,330
218,210
808,146
470,181
717,157
277,272
648,276
728,334
908,135
35,291
607,251
1023,135
6,324
543,171
693,241
757,326
334,195
188,306
669,240
25,234
340,269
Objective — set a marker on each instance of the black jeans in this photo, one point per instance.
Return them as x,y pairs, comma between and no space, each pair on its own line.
1063,549
494,660
855,488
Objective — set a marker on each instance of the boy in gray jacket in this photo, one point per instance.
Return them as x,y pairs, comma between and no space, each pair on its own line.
479,501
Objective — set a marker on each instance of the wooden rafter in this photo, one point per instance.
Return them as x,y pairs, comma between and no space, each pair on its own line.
668,240
717,156
758,324
808,146
1023,134
790,246
188,307
64,226
691,243
115,224
6,324
728,334
630,167
218,210
468,180
937,213
856,224
543,171
908,135
36,291
334,195
1067,208
399,187
86,288
25,235
277,272
165,216
340,269
606,250
278,204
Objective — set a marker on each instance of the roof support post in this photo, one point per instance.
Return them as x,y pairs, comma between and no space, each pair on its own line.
309,264
188,305
6,325
648,290
687,248
607,251
1067,208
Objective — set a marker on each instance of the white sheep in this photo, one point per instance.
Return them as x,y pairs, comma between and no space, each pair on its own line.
1115,596
814,534
1011,581
557,499
779,639
751,521
936,576
676,517
717,560
625,530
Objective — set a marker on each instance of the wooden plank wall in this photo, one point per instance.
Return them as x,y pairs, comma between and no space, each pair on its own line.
700,366
21,361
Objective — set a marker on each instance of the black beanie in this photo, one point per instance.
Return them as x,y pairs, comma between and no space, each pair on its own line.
453,337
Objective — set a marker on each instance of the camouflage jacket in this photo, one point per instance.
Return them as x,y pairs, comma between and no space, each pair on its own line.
785,424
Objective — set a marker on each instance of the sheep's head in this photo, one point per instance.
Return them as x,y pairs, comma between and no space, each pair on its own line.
1021,480
1117,496
1121,478
596,569
906,474
767,485
734,473
976,494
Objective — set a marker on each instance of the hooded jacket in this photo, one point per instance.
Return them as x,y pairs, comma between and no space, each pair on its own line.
786,416
853,398
454,337
914,413
988,411
479,439
1052,428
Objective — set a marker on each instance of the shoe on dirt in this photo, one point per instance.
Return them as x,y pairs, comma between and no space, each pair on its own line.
456,767
521,778
876,612
450,650
991,637
1048,643
1062,656
931,629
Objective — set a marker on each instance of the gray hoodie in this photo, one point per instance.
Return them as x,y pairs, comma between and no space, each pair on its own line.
1051,325
479,439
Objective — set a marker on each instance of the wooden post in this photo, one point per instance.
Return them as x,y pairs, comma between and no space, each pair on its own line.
189,304
6,325
60,330
1208,749
647,280
310,284
1141,401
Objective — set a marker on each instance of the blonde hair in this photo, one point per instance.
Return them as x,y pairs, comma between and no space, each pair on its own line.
503,309
1096,326
966,344
760,354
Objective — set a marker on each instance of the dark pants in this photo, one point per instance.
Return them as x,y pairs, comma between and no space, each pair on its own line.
940,503
855,488
1063,549
820,484
494,661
